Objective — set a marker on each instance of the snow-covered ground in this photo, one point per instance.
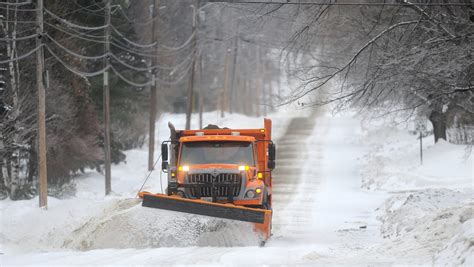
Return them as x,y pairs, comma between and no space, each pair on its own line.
346,192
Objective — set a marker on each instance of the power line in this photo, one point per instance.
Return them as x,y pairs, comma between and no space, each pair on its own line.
101,27
20,10
8,39
21,57
87,7
74,31
337,3
188,41
101,71
130,41
74,35
74,11
58,18
74,53
98,39
72,69
130,82
69,51
18,21
16,4
147,22
134,51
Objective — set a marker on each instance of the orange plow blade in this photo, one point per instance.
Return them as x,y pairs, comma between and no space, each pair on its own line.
261,217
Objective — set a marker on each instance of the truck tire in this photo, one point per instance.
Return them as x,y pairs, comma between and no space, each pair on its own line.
265,202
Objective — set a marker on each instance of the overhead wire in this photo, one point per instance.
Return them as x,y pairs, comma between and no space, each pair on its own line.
74,70
134,21
8,39
74,53
74,31
337,3
123,63
16,4
76,10
74,25
130,82
130,41
122,48
19,21
20,10
81,7
22,56
171,48
137,52
75,36
188,41
178,80
99,39
101,27
120,75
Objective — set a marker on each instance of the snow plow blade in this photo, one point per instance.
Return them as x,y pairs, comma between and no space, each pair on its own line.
200,207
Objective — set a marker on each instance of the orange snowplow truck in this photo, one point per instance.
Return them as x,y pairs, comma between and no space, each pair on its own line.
219,172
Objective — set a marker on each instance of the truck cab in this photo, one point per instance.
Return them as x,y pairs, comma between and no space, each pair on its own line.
221,165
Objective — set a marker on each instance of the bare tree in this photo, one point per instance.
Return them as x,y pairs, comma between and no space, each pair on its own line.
410,57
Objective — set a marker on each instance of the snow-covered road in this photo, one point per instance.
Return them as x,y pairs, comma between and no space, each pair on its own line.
321,215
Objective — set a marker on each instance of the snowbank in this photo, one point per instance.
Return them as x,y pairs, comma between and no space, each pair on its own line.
430,213
393,161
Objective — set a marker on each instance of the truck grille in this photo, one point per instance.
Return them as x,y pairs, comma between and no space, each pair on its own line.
225,184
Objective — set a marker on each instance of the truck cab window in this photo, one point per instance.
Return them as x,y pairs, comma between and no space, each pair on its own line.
224,152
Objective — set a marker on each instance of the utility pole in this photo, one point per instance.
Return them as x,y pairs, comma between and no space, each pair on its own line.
153,89
259,83
191,83
43,172
224,101
201,98
106,99
264,91
234,69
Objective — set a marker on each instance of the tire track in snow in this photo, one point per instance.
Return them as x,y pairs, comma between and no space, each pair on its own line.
292,188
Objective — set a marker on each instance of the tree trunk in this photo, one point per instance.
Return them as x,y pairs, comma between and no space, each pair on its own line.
438,119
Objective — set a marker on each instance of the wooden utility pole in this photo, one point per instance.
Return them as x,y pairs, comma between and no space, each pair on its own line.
106,99
224,97
259,83
201,98
264,91
153,89
43,172
191,82
234,70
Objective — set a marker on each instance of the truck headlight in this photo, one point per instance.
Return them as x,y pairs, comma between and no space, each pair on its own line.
258,190
184,168
250,194
244,168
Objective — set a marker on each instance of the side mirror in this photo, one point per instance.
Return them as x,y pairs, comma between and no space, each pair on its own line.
271,152
271,164
164,165
271,156
164,157
164,152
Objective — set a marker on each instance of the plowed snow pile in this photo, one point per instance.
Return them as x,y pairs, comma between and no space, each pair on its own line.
126,224
430,215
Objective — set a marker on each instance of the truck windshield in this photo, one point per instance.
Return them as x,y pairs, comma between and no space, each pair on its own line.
227,152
